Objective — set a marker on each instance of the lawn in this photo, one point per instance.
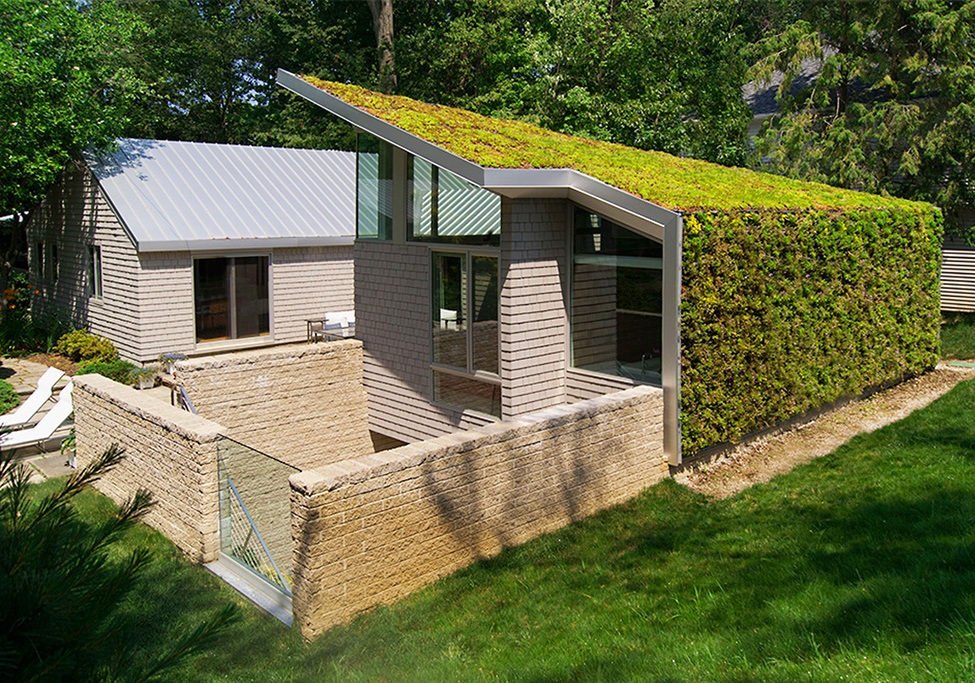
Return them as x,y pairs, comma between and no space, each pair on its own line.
858,567
958,336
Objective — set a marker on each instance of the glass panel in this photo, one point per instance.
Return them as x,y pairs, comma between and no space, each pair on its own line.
95,271
374,188
617,295
250,296
445,208
485,313
450,310
211,291
255,511
468,393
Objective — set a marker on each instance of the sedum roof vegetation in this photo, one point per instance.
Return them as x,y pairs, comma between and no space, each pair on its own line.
679,184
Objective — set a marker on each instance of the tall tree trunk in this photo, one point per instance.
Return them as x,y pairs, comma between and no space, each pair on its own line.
382,26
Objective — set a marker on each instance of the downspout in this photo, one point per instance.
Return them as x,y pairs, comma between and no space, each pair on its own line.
673,249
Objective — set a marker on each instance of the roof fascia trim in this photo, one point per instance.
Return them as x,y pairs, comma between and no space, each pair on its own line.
242,244
385,131
509,182
581,188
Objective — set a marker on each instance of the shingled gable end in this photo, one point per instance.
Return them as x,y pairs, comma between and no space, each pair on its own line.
165,246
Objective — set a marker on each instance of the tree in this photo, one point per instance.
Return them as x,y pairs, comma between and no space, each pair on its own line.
893,108
657,75
382,22
60,585
61,91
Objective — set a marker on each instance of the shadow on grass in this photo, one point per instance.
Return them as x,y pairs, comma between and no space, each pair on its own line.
866,553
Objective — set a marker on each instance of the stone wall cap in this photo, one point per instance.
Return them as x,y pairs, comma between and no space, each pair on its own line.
157,412
361,468
232,358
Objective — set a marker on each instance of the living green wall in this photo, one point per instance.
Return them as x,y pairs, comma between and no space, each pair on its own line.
783,312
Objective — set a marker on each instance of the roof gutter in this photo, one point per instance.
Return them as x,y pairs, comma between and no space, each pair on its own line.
241,244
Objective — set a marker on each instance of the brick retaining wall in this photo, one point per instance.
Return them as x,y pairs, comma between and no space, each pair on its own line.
304,404
170,452
373,529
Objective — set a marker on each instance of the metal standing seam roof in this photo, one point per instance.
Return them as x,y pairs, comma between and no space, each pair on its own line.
176,196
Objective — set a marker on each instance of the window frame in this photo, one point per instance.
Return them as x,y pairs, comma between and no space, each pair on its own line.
95,272
573,212
469,372
232,300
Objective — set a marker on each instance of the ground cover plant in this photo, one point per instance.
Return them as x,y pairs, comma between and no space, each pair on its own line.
958,336
859,566
9,398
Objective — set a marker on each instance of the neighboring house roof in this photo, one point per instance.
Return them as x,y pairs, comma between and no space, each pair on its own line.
174,196
473,146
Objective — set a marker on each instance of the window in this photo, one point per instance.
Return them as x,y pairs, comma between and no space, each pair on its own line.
617,299
95,271
374,188
445,208
465,331
231,297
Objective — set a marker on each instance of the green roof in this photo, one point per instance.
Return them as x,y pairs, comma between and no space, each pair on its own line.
672,182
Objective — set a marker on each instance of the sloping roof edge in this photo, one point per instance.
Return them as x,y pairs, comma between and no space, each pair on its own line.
586,190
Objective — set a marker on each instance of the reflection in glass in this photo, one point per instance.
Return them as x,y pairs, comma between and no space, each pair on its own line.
484,334
374,188
450,310
617,295
231,297
467,393
445,208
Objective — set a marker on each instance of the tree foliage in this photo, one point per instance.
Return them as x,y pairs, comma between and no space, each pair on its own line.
62,89
893,108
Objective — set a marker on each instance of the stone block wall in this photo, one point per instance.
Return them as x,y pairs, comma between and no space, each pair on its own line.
170,452
304,404
373,529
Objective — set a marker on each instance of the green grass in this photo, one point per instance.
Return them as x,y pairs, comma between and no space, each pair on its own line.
958,336
857,567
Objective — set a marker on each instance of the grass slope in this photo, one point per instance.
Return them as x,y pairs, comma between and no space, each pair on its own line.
859,567
672,182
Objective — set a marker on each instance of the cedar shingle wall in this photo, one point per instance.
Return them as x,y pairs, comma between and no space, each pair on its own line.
534,304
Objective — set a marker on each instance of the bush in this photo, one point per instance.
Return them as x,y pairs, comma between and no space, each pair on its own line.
119,370
8,397
81,346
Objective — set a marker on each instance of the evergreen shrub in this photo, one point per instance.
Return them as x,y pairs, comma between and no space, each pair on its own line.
81,346
783,312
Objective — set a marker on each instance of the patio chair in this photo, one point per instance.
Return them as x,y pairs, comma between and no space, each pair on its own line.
40,396
44,429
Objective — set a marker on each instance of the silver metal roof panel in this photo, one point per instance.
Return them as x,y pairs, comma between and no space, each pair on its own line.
174,196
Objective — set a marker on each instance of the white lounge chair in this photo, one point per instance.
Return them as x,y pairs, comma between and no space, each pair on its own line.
40,396
44,429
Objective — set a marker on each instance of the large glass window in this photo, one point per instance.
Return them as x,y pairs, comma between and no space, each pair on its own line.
374,188
617,294
231,297
465,331
446,209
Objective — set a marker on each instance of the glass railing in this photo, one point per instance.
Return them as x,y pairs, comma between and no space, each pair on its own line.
255,511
